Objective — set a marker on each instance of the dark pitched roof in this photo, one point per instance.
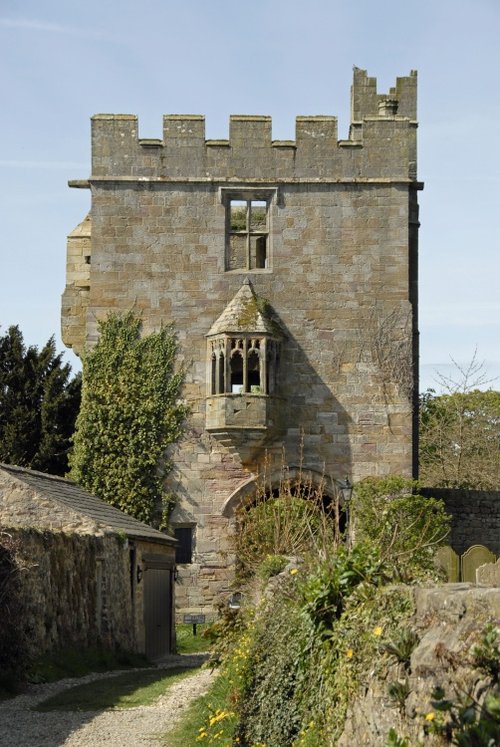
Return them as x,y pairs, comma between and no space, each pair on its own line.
71,495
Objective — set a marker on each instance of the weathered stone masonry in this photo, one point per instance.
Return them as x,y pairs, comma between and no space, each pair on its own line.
201,233
96,576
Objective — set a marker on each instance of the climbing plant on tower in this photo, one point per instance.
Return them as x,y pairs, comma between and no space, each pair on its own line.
131,412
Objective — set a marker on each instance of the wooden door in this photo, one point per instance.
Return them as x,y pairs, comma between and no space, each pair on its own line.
157,610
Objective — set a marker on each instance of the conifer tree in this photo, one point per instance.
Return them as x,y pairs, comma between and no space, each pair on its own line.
38,404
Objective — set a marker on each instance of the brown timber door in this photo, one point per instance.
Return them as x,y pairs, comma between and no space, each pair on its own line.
157,609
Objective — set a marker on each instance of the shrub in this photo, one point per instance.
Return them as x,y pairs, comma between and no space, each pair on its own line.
462,720
271,566
407,527
269,702
298,662
486,653
294,522
311,643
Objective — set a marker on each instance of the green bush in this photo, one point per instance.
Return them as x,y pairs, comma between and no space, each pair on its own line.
463,721
271,566
269,703
486,653
318,633
294,523
405,526
294,665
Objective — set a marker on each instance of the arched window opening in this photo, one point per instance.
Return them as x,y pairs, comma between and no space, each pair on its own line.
214,374
236,366
222,374
253,384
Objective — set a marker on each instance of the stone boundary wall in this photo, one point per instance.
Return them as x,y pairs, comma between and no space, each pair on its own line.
475,517
449,620
76,592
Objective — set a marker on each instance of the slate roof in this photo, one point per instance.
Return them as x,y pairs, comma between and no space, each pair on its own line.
242,314
72,496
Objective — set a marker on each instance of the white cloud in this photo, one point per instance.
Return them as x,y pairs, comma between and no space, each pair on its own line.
33,24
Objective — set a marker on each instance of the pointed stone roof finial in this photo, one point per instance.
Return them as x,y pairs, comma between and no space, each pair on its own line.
244,313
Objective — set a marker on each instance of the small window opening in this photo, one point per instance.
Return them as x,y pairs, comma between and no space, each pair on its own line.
222,375
253,372
258,215
248,225
238,213
184,548
87,259
214,375
236,373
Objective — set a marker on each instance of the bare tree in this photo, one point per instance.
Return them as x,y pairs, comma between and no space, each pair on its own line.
460,430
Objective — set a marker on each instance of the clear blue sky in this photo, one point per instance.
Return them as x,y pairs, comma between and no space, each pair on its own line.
63,60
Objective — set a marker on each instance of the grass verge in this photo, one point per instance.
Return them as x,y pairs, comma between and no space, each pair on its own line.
128,690
57,665
187,643
187,731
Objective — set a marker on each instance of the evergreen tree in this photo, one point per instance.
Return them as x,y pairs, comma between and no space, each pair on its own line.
38,404
130,414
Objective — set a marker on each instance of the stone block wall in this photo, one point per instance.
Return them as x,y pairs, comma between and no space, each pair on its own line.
340,276
475,517
68,602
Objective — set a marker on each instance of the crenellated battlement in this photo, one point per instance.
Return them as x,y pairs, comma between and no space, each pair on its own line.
401,101
381,143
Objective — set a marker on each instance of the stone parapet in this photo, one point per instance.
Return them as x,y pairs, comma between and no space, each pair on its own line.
382,143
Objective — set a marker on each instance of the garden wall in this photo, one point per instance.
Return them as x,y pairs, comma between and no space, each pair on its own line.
475,517
75,591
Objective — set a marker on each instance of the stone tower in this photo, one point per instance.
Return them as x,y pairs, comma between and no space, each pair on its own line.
289,271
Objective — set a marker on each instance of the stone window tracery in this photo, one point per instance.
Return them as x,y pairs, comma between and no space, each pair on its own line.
243,364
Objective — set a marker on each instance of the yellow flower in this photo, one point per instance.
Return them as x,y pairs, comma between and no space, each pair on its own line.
349,653
294,571
378,631
430,716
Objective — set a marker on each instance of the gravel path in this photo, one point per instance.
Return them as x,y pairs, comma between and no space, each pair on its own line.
134,727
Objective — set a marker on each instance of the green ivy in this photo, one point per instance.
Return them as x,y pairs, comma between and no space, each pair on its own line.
130,414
